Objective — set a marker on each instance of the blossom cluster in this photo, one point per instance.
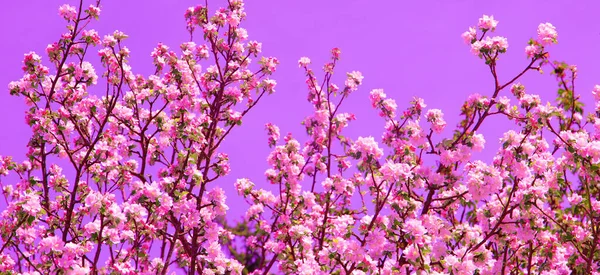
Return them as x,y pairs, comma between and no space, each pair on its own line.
424,205
121,180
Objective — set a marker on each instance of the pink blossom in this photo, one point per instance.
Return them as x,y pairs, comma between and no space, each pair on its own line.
532,50
478,142
92,227
376,96
234,93
436,118
469,35
109,41
28,235
269,64
254,47
254,210
78,270
490,45
210,28
368,147
269,85
335,52
547,34
243,186
6,263
575,199
303,62
595,205
396,171
487,23
416,229
354,79
241,33
31,204
596,92
68,12
94,11
51,244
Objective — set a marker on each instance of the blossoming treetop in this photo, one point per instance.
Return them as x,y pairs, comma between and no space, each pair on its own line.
137,190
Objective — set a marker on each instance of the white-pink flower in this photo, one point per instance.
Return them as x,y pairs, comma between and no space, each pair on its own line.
436,118
68,12
303,62
353,80
487,23
469,35
547,34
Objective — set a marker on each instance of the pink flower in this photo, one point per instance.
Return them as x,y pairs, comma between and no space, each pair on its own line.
79,270
367,147
68,12
210,28
411,252
254,47
52,243
266,197
448,157
269,64
217,197
234,19
416,230
94,11
327,184
532,50
31,204
109,41
376,96
596,93
92,227
419,103
574,199
353,80
6,263
365,221
547,34
91,36
297,231
234,93
241,33
490,45
436,118
388,108
478,142
269,85
243,186
273,132
27,234
395,171
487,23
303,62
335,52
254,210
274,246
469,35
595,205
93,201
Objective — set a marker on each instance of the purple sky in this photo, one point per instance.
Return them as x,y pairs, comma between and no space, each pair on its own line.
408,48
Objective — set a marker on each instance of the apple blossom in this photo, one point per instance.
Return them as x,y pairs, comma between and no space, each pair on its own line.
124,181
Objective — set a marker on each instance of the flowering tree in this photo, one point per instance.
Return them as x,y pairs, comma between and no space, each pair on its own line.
143,152
124,180
427,207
